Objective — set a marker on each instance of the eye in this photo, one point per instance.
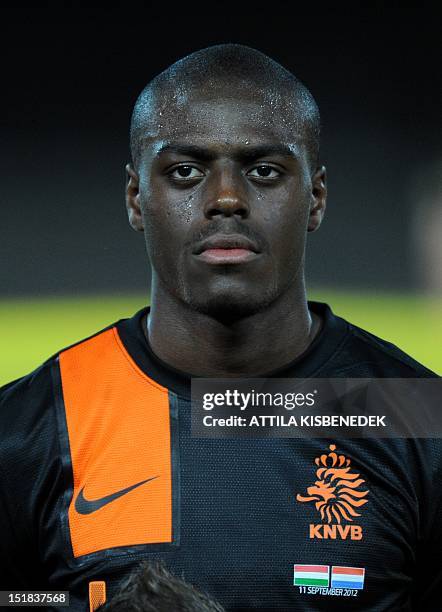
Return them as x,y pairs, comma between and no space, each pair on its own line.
186,173
264,172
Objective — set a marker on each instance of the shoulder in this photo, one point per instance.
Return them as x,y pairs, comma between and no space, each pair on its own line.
387,353
391,357
27,401
363,354
28,433
20,396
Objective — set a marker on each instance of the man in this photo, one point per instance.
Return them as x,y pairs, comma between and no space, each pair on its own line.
99,468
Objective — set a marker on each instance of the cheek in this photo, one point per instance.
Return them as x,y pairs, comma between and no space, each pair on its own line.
290,245
181,210
167,206
167,225
285,220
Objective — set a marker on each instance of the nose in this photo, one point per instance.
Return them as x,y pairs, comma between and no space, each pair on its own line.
226,195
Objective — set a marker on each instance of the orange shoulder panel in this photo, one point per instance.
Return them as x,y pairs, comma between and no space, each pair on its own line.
119,434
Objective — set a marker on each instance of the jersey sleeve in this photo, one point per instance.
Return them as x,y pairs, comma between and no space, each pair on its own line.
15,542
26,454
428,584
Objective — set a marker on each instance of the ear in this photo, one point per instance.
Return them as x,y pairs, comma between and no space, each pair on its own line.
318,199
133,200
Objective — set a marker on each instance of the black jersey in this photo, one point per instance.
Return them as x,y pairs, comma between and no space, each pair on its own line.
99,471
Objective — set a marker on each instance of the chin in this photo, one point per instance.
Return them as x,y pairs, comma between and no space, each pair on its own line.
230,307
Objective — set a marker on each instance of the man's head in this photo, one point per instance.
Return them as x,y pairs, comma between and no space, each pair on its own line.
152,588
225,180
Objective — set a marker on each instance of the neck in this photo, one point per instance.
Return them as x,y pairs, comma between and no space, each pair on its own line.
196,343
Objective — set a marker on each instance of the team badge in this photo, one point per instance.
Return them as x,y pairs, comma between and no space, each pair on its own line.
338,493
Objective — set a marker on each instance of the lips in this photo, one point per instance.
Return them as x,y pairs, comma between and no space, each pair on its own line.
226,249
232,241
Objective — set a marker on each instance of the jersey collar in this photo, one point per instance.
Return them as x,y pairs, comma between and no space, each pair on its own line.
309,364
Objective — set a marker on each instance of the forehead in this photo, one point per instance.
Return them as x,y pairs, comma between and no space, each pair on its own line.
223,119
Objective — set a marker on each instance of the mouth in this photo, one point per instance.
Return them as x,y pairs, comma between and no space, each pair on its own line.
226,249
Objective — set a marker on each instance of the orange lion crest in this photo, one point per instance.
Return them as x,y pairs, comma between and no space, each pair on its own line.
337,490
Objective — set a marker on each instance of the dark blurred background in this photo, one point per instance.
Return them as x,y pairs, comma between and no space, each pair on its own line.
71,74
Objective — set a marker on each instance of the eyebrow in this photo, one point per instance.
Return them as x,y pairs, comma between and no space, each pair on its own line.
243,153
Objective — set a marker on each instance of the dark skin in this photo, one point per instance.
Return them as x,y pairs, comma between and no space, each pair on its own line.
220,167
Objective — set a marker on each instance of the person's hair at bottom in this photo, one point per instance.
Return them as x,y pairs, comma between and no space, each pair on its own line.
152,588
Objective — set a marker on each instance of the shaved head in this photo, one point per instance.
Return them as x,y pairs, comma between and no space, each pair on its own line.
226,71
